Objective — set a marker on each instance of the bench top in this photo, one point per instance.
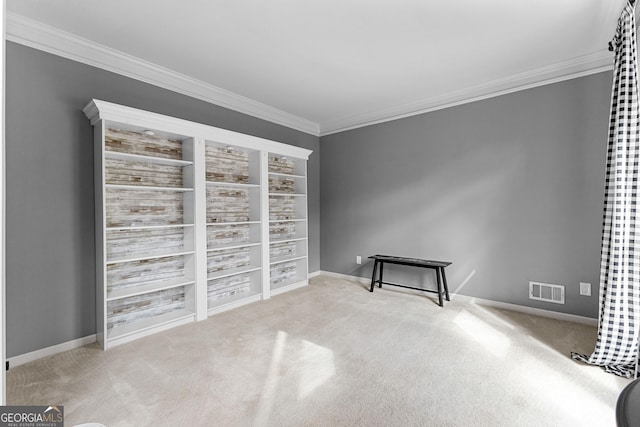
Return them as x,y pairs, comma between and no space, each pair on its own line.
417,262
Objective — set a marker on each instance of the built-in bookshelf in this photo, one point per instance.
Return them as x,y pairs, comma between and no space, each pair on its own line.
191,220
147,230
234,238
288,264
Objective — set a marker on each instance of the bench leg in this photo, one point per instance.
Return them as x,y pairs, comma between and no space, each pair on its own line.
444,281
440,292
380,281
373,277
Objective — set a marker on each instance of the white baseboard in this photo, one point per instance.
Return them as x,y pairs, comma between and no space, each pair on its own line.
344,276
50,351
490,303
529,310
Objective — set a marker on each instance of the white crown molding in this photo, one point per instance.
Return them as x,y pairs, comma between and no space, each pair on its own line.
566,70
52,40
97,110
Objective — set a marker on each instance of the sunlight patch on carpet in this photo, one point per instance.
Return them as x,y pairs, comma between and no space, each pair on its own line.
553,387
317,368
483,333
498,319
270,386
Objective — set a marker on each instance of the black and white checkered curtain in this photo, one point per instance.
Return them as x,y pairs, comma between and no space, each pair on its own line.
619,318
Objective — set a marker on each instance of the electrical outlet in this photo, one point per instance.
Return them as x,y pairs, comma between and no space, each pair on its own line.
585,289
358,259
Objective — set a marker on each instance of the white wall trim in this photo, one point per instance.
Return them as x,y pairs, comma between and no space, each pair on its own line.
98,110
566,70
490,303
529,310
358,279
52,40
50,351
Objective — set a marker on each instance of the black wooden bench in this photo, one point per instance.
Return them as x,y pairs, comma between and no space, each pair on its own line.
438,266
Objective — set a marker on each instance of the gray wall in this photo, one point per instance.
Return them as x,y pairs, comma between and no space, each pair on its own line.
510,189
50,243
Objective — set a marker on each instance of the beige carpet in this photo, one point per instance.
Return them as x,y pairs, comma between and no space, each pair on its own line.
333,354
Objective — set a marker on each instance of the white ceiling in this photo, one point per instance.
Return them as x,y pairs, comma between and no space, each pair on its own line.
328,65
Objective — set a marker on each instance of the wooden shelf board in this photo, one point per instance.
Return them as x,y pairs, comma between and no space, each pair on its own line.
280,260
288,194
233,271
148,227
290,239
287,220
232,184
286,175
150,256
232,246
234,223
147,188
146,159
145,289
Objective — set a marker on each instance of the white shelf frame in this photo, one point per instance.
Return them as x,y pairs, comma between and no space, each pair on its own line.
255,244
300,219
198,136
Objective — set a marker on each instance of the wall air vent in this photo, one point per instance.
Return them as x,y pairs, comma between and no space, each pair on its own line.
546,292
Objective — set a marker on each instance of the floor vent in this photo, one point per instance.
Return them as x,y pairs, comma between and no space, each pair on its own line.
546,292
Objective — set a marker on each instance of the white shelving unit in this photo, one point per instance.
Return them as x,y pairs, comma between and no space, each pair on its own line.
288,263
145,208
191,220
234,238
